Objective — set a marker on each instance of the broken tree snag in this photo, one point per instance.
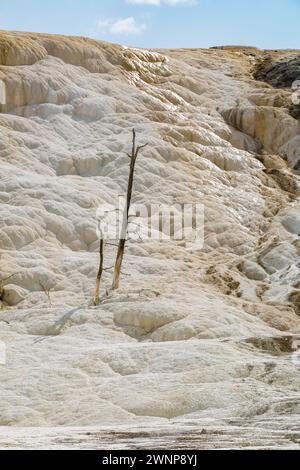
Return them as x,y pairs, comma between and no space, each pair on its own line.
121,247
100,272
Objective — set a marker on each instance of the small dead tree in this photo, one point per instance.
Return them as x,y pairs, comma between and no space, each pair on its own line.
1,294
121,247
100,271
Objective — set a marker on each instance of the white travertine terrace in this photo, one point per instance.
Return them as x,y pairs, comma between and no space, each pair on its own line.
2,92
191,334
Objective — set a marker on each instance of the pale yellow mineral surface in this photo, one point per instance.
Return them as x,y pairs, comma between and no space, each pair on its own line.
192,333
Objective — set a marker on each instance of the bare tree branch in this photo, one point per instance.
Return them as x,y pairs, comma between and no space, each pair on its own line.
140,147
46,291
100,272
121,249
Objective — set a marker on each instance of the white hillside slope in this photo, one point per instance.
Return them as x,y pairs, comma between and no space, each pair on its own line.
192,335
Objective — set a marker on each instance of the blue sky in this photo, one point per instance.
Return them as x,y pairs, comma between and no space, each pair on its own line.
162,23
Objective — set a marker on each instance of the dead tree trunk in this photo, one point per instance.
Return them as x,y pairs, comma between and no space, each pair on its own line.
100,271
122,242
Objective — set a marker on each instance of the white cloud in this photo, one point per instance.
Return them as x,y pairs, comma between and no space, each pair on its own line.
124,26
160,2
127,26
103,24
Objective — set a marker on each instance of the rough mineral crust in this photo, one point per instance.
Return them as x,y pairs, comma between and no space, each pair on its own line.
193,333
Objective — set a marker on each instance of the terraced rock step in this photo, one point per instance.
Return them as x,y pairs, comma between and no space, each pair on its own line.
196,349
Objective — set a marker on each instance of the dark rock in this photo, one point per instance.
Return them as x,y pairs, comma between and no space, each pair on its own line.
279,72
